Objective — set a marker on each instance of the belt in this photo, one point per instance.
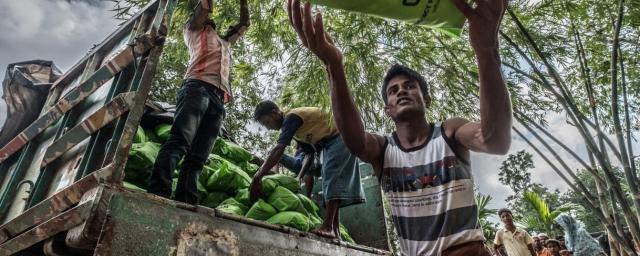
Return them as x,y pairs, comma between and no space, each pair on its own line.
209,87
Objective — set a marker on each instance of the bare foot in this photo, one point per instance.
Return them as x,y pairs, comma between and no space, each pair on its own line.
324,233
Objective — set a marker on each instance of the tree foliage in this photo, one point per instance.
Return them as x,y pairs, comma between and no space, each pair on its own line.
484,212
557,57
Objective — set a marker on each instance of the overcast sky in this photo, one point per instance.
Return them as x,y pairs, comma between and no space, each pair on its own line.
64,31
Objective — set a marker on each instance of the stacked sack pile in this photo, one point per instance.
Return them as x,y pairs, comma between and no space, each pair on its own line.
224,182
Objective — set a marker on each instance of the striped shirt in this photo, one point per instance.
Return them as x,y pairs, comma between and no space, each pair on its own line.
210,58
430,190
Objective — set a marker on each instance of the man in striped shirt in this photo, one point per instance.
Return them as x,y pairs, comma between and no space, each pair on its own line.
424,167
200,104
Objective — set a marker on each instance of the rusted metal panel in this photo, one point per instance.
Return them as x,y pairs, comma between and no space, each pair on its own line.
47,229
75,96
86,235
80,132
53,206
157,31
138,224
84,90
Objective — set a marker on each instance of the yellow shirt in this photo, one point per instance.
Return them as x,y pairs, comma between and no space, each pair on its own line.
514,243
316,125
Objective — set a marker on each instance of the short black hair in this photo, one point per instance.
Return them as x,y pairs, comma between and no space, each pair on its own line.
398,69
264,108
552,241
503,210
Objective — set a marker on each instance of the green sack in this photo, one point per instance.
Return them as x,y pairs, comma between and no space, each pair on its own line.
231,151
292,219
243,196
440,14
316,222
140,137
151,136
132,187
215,161
140,163
285,200
309,204
163,131
205,174
249,168
345,234
214,199
268,186
202,191
290,183
228,178
232,206
261,210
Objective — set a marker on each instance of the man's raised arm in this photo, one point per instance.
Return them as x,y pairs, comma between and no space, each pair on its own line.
238,30
493,133
364,145
200,14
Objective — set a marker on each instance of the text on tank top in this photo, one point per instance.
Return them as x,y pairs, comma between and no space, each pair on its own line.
430,191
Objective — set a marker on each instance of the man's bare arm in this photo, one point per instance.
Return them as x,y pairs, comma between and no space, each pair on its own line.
364,145
274,157
238,30
200,15
493,133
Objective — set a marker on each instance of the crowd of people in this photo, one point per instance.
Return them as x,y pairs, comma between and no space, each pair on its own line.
514,241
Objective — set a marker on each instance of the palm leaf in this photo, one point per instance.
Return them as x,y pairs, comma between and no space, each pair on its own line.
539,205
483,201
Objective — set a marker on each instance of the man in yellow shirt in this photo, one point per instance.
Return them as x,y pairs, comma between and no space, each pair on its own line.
516,241
341,184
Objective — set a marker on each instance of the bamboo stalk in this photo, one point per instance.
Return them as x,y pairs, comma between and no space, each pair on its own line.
587,167
608,225
579,121
631,179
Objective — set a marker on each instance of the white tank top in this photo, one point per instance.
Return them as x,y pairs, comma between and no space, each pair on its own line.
430,190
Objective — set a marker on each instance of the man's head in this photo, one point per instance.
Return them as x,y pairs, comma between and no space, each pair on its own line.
195,5
405,93
543,238
536,242
553,246
506,216
269,115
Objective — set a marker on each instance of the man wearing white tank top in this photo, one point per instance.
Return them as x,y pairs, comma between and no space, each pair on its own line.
424,167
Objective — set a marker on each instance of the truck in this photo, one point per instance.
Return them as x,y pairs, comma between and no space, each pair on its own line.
62,175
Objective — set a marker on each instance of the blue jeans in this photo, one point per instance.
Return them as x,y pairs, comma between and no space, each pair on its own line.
199,115
294,164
